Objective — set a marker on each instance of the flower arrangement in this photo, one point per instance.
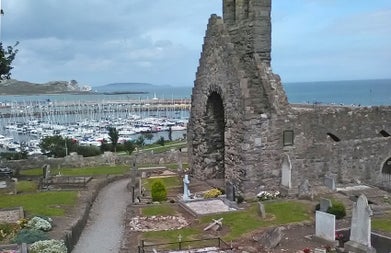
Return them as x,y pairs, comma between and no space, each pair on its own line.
212,193
265,195
307,250
39,223
48,246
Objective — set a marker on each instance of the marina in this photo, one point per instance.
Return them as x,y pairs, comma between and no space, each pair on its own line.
25,123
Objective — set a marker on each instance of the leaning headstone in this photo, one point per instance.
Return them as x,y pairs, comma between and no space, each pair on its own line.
325,226
229,191
271,238
360,230
286,172
325,204
329,182
305,190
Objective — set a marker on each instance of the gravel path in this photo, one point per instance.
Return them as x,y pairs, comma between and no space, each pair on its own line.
104,230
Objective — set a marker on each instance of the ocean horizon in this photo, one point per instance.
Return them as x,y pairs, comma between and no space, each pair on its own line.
352,92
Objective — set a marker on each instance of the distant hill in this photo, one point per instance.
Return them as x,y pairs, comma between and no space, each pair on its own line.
15,87
124,87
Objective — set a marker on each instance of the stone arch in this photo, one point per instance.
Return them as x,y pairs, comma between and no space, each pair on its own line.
214,119
386,172
386,169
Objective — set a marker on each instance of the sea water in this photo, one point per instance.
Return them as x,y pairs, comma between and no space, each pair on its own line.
359,92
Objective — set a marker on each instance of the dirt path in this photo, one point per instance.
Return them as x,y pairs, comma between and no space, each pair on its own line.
104,229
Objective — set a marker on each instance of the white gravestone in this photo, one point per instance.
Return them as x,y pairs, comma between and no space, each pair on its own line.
286,172
325,226
186,191
361,222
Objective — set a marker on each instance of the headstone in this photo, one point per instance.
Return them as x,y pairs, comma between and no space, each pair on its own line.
325,226
46,171
186,191
360,230
286,172
179,157
325,204
329,182
271,238
230,191
262,210
317,250
305,190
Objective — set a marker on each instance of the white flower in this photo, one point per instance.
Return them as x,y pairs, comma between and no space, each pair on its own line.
48,246
38,223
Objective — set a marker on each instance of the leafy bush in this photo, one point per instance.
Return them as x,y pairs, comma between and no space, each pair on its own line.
158,191
30,236
8,230
212,193
39,223
87,151
239,199
48,246
338,209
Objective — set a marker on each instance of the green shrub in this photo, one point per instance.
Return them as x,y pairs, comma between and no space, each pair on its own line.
8,230
338,209
158,191
30,236
87,151
239,199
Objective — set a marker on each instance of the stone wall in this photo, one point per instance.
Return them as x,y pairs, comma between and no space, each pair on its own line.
239,114
78,161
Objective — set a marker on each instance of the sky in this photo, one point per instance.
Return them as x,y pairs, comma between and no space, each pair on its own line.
97,42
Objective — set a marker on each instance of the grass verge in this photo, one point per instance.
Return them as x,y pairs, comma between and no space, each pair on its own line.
42,203
89,171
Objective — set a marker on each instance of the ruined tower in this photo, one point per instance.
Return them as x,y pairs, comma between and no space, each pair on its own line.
243,132
253,16
235,96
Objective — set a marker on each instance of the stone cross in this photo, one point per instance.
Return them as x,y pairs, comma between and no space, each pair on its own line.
217,223
186,191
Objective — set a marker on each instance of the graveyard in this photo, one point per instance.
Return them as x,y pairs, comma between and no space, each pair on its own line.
272,222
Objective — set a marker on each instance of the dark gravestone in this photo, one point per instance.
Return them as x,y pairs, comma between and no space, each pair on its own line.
305,190
229,191
329,182
325,204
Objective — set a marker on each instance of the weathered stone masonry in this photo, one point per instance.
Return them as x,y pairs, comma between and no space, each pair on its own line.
240,111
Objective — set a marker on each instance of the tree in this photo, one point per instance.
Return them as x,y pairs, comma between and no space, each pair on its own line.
113,136
158,191
129,147
169,133
161,141
57,145
148,136
140,141
7,55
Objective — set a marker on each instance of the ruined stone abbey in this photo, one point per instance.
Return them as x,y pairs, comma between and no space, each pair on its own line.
243,130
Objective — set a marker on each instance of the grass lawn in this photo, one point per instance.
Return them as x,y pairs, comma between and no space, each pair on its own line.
42,203
240,222
169,182
162,209
89,171
26,186
382,224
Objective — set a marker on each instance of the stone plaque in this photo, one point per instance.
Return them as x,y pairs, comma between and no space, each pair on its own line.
329,182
